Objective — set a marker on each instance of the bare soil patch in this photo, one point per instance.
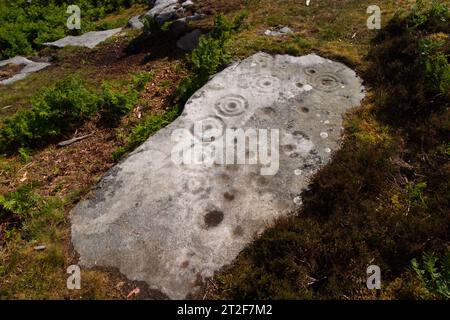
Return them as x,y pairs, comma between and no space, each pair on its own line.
9,70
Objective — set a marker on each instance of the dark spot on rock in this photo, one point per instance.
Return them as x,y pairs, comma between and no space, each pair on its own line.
232,105
262,181
288,147
268,110
185,264
198,95
238,231
294,155
299,133
299,84
213,218
305,109
299,98
224,177
327,81
228,196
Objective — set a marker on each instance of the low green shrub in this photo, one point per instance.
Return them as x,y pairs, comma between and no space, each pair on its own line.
37,215
65,106
211,55
436,66
433,274
145,129
141,79
416,194
56,109
115,102
22,202
415,79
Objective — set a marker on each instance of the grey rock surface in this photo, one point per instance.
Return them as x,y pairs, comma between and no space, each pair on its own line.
28,67
172,224
180,26
163,10
286,30
189,41
278,33
168,10
195,17
187,4
89,39
135,23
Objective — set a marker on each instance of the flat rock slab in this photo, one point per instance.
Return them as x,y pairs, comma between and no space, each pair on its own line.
89,39
173,223
28,67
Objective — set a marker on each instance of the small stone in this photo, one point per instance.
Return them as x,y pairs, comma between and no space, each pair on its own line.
190,41
167,14
39,248
135,23
272,33
280,32
163,10
298,200
324,135
286,30
187,4
196,17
